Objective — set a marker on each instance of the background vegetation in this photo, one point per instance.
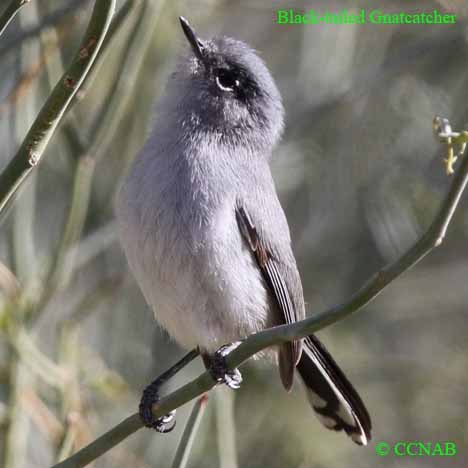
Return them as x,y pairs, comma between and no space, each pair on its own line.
360,177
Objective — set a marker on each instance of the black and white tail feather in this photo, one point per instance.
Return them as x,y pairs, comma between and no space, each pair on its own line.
333,398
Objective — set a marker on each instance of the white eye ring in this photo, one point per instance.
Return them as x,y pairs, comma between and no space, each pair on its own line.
226,88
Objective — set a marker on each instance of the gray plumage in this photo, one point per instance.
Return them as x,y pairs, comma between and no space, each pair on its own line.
201,224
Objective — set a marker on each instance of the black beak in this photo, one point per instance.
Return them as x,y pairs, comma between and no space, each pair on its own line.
196,44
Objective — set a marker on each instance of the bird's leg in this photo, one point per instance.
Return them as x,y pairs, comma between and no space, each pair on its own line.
150,396
216,365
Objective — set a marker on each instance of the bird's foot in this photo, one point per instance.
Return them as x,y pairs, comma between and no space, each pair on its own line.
148,399
219,370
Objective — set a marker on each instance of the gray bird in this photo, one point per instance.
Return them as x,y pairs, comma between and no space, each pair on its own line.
204,232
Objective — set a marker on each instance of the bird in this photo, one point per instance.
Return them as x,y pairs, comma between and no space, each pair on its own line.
205,234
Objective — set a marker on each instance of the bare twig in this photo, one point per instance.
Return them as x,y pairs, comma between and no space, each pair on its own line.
15,449
273,336
23,240
12,42
190,431
9,284
226,428
44,419
119,20
29,75
92,245
131,60
32,149
10,12
72,406
61,270
34,359
89,150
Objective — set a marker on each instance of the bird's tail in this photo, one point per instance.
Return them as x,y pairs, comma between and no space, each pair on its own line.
334,400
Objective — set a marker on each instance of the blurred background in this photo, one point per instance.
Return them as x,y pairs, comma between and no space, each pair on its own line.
360,176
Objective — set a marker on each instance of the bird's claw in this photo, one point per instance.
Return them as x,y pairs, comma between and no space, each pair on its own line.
163,424
232,378
219,369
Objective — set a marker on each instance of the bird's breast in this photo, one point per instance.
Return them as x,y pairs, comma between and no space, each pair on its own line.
183,244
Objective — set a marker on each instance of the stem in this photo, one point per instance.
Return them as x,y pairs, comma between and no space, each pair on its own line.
32,149
190,431
10,12
12,42
61,270
19,432
118,97
24,214
120,432
35,360
284,333
119,20
226,427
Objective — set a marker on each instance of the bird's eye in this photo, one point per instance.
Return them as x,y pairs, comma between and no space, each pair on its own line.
226,80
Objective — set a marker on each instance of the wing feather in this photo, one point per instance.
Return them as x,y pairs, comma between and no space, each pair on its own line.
290,353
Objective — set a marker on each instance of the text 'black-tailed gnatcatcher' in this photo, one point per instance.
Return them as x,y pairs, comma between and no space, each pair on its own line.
204,232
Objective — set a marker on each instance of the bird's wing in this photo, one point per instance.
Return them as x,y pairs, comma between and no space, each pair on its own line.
283,280
333,398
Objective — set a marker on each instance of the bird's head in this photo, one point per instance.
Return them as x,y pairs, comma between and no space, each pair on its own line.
221,87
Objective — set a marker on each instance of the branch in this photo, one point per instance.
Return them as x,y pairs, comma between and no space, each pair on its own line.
10,13
30,152
253,344
13,41
188,437
132,57
119,20
226,428
61,269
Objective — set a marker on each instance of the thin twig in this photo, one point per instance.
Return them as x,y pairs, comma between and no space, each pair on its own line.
60,271
226,427
119,20
9,283
104,289
273,336
44,419
118,97
32,149
10,12
12,42
72,406
93,245
18,435
22,86
24,216
190,431
103,444
75,135
29,75
34,359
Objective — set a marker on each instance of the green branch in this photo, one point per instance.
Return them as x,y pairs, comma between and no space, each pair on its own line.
13,41
60,272
10,13
32,149
188,437
131,60
121,16
273,336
